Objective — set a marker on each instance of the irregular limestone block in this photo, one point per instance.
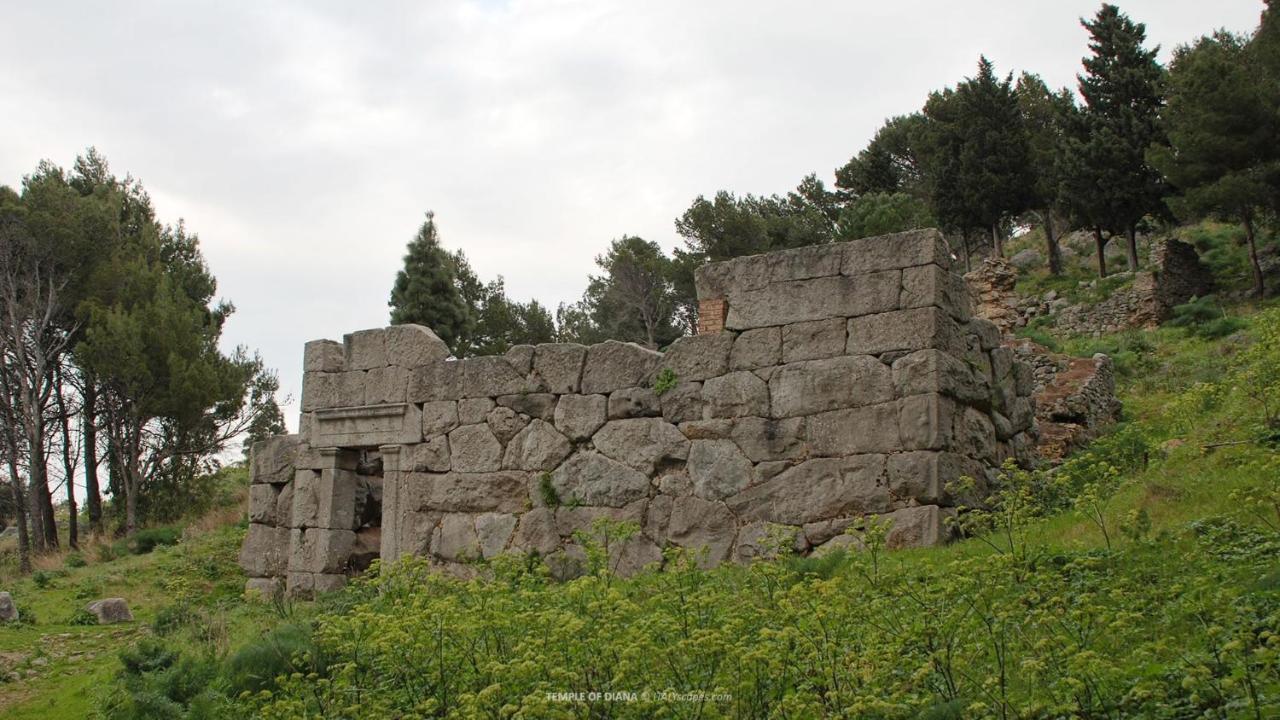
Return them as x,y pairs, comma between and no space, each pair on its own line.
536,532
411,346
817,489
539,446
986,331
898,250
324,356
300,585
386,385
579,416
926,285
493,532
538,405
474,449
682,402
933,371
616,365
557,367
925,422
762,539
265,552
973,434
705,527
505,423
325,499
923,475
110,611
264,588
490,376
455,539
272,460
440,380
905,330
717,468
634,555
263,499
8,610
763,439
365,349
393,424
813,340
698,357
439,417
634,403
737,394
921,526
641,443
717,429
431,455
838,296
322,583
320,550
506,492
579,519
814,386
591,478
854,431
520,357
761,347
473,411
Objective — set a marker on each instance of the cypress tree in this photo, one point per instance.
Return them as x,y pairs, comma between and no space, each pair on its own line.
425,292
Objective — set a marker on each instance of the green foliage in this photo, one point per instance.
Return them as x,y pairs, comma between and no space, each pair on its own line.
425,290
82,617
75,560
1131,351
1205,318
495,321
874,214
634,300
665,381
547,491
144,541
259,665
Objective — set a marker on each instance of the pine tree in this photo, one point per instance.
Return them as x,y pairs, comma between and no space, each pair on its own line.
425,291
1045,115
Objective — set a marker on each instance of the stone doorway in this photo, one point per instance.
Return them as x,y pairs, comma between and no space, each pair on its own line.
367,511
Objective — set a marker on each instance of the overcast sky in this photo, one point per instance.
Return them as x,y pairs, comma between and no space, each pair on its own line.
303,141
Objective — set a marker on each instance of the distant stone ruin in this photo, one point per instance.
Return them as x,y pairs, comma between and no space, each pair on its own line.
826,384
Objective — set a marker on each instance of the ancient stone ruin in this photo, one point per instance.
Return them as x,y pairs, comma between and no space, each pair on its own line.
826,384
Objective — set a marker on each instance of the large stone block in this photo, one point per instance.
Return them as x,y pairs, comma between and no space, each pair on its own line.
757,348
920,526
493,532
520,357
925,422
814,386
898,250
591,478
923,476
580,519
763,439
766,540
926,285
473,411
411,346
838,296
682,402
717,468
490,376
817,489
455,538
440,380
265,552
474,449
536,532
538,405
506,492
386,385
365,349
323,356
263,499
320,550
370,426
698,357
616,365
934,371
557,367
539,446
641,443
579,416
705,527
634,402
905,330
813,340
439,417
272,460
737,394
854,431
430,455
325,499
505,423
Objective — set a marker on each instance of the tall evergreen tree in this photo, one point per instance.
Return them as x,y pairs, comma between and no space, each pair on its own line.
1045,115
425,290
1109,184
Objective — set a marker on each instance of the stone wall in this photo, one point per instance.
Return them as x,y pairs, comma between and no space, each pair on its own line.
831,383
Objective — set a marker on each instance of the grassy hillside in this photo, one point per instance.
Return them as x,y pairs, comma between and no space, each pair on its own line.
1140,580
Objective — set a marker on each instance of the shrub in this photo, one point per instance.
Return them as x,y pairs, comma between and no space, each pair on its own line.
82,617
171,618
255,667
75,560
144,541
665,381
1205,318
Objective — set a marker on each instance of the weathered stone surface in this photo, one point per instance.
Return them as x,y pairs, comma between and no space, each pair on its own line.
110,611
8,610
763,439
322,583
933,371
320,550
455,539
557,367
265,551
898,250
634,555
817,490
505,492
386,385
365,349
474,449
324,356
923,475
927,285
591,478
520,357
431,455
536,532
914,329
814,386
682,402
570,520
539,446
616,365
369,426
634,402
925,421
986,331
538,405
854,431
489,376
272,460
439,417
324,499
762,540
821,532
579,416
493,531
737,394
505,423
474,411
717,468
702,526
411,346
717,429
921,526
263,500
757,348
973,434
641,443
837,296
839,543
264,588
698,357
813,340
441,380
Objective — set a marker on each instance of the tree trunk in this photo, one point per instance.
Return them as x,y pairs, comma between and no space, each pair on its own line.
997,240
1102,251
964,242
1259,287
68,468
19,510
89,432
131,479
1052,247
1133,248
